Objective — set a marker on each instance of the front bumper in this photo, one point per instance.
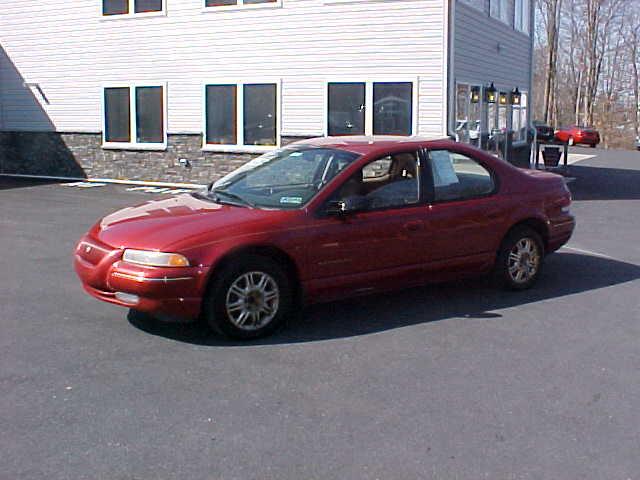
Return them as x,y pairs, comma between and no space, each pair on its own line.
175,292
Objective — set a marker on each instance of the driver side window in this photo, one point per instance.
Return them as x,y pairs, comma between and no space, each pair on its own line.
392,181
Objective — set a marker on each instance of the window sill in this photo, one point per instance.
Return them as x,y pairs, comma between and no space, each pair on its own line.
215,148
109,18
154,147
253,6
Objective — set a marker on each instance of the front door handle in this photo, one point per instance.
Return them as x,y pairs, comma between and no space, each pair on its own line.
413,226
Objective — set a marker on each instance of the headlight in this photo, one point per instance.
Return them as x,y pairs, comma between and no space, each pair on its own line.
155,259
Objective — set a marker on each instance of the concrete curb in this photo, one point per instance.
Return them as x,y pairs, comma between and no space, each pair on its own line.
107,180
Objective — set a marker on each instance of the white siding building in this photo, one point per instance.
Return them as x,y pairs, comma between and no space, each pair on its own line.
125,88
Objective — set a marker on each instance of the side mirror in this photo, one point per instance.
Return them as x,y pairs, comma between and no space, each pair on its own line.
352,204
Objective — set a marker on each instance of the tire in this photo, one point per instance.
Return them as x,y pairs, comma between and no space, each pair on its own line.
251,297
520,259
571,142
593,145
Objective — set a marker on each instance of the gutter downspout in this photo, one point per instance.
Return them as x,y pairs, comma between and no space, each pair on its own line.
530,106
449,80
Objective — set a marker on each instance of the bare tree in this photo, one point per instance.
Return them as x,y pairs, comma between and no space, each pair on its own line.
588,65
550,13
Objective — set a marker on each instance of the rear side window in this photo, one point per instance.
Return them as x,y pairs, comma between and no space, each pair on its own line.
458,177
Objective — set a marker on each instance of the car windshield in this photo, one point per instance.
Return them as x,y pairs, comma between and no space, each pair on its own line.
287,178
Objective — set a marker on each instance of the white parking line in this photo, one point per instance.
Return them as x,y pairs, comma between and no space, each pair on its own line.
591,252
84,184
578,157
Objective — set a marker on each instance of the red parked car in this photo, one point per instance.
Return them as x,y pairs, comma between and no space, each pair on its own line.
325,219
577,135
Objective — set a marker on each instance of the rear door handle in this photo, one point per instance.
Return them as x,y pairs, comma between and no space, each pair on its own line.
413,226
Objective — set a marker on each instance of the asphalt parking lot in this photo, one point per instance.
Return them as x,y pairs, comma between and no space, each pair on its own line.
445,382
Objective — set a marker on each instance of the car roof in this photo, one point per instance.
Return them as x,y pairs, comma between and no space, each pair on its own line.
364,144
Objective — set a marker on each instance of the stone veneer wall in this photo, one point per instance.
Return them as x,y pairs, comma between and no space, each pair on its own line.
81,155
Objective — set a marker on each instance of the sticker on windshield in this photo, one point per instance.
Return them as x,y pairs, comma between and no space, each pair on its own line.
291,200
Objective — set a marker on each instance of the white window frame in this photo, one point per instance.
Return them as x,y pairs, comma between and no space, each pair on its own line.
502,15
240,6
522,20
524,106
133,121
368,100
132,14
481,101
240,147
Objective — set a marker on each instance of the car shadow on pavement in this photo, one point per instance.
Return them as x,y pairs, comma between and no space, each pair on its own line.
564,274
598,183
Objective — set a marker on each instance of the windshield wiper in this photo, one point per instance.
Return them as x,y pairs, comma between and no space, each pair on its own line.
217,192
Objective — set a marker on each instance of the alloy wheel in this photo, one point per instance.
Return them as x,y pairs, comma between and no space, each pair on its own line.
252,300
524,261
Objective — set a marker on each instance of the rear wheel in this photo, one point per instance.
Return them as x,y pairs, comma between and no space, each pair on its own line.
249,298
520,259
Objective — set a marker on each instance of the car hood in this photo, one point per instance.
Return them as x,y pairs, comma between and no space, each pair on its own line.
180,222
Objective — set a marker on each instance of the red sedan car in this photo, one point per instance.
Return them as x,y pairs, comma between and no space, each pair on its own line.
577,135
325,219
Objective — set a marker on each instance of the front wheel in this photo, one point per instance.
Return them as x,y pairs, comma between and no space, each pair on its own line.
520,259
250,298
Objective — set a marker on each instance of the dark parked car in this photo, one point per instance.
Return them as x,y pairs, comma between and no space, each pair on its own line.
325,219
579,135
544,132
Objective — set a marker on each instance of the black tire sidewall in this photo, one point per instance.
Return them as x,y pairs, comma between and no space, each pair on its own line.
214,305
502,264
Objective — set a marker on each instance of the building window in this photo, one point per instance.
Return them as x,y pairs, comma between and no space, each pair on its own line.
346,105
218,4
241,116
468,113
131,7
134,117
117,115
500,9
523,16
519,118
392,109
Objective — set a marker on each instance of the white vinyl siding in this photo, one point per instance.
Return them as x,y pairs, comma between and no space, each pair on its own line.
71,51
